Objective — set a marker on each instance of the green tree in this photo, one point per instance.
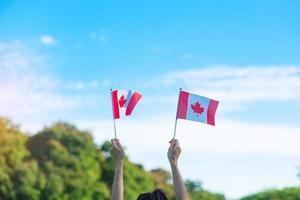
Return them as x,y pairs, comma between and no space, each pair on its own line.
196,192
19,174
163,180
275,194
63,163
70,162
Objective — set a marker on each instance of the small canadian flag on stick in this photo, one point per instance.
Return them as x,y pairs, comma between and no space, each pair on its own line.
123,103
196,108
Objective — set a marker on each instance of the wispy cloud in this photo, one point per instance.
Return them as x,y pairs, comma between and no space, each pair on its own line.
106,82
28,88
80,85
186,56
228,137
160,50
101,36
236,86
48,40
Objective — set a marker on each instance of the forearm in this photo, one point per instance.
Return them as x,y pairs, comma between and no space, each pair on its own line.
179,186
117,187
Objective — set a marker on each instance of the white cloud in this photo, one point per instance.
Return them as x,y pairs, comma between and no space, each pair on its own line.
160,50
92,35
106,82
103,39
25,90
101,36
236,86
48,40
83,85
186,56
28,89
228,137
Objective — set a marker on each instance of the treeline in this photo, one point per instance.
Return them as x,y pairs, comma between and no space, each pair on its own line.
62,162
275,194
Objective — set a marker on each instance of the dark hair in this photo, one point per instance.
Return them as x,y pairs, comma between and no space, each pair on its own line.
157,194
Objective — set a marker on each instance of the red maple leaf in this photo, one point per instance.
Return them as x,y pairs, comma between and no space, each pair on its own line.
197,108
122,101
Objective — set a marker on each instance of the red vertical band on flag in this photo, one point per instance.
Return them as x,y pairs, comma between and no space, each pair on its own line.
211,111
182,104
114,98
132,102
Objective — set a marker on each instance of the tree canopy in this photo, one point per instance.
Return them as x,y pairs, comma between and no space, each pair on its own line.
275,194
62,162
19,174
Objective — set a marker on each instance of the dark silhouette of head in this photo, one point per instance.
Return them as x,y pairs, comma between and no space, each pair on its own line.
157,194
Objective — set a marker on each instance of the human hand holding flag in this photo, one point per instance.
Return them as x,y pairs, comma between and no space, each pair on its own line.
117,151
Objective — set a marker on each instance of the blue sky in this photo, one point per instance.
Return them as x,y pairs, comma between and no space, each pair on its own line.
58,60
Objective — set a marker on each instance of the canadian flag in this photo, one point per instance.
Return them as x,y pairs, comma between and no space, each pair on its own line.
196,108
123,102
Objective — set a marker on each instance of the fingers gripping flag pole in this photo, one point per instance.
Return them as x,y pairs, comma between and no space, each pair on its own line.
176,115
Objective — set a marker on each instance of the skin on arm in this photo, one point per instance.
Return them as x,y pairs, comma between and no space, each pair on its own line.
118,155
173,155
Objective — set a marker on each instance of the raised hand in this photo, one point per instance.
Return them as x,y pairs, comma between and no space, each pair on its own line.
174,151
173,155
118,154
117,151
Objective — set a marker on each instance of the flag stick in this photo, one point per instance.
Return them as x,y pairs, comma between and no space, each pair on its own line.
112,106
176,115
175,128
115,129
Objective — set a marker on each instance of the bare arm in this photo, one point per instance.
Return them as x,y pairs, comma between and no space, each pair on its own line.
179,186
118,186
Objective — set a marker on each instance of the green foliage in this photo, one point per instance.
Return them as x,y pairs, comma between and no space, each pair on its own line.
19,175
274,194
136,179
63,163
196,192
193,186
70,161
163,180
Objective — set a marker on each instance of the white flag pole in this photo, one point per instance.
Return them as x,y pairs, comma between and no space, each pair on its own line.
113,113
176,115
